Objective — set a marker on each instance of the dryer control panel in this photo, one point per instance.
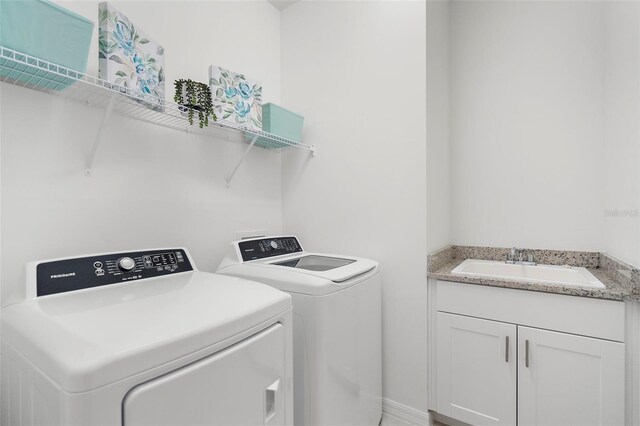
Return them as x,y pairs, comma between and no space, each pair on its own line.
268,247
60,276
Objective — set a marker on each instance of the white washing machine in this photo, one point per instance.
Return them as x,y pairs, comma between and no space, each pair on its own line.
143,338
337,326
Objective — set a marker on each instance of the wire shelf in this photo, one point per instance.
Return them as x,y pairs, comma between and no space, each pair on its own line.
37,74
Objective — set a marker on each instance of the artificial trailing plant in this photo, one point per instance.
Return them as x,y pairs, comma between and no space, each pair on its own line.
195,96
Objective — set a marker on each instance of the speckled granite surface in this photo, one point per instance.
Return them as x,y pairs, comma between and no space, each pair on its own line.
440,258
622,281
583,259
623,273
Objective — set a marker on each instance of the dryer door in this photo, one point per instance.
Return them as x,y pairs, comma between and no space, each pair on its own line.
240,385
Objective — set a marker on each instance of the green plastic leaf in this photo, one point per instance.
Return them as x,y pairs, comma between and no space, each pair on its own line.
121,74
143,41
115,58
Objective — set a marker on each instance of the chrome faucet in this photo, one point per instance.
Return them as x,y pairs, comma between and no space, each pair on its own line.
516,256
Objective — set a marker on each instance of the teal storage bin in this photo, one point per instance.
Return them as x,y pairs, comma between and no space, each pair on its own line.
46,31
281,122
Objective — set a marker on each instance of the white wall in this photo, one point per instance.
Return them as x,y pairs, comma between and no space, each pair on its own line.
152,187
527,123
438,156
356,71
622,131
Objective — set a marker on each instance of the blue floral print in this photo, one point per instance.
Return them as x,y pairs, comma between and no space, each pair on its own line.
128,59
236,99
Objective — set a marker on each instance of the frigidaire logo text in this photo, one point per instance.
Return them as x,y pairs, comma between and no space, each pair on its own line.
68,274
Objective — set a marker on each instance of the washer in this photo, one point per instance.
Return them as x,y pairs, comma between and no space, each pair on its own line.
143,338
337,326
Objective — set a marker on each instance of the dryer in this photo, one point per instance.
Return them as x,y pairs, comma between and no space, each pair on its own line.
144,338
337,326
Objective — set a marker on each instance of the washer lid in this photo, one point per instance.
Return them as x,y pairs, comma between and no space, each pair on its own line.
90,338
314,262
313,274
337,269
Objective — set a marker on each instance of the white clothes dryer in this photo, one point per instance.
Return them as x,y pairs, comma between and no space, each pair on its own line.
337,326
144,338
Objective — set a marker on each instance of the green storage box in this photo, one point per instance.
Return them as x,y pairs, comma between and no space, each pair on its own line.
280,122
46,31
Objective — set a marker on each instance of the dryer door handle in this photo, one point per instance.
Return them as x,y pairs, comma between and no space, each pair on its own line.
271,401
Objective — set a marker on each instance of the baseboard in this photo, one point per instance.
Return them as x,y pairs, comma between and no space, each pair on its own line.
404,413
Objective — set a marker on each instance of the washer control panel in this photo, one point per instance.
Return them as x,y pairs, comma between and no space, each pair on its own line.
268,247
60,276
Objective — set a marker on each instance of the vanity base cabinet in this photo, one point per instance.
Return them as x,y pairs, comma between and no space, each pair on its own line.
476,370
565,379
566,358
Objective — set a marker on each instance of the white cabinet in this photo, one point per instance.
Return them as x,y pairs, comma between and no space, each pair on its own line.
512,357
561,379
569,380
476,371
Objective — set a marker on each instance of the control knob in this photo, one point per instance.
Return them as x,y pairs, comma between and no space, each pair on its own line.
126,264
273,244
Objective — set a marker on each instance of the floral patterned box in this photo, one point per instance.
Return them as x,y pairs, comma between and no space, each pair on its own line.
129,59
236,98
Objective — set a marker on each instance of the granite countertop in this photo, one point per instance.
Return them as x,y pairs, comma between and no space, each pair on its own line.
622,281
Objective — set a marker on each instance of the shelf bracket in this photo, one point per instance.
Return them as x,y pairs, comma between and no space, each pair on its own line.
96,143
244,155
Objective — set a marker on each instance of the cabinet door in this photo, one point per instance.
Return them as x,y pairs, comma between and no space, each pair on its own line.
564,379
476,370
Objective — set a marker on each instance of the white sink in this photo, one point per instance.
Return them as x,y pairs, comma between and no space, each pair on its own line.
544,274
